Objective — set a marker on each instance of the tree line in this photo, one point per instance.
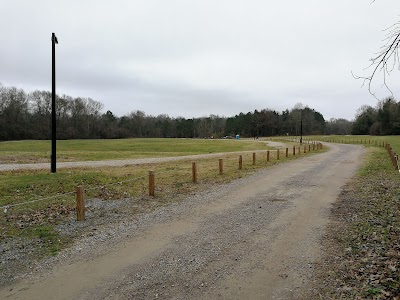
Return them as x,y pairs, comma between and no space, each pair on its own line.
383,119
28,116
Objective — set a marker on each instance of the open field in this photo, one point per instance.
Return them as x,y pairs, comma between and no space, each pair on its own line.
90,150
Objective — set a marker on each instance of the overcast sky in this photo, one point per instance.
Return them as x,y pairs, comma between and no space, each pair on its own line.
195,58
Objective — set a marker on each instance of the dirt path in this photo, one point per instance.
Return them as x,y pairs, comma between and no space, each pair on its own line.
256,238
112,163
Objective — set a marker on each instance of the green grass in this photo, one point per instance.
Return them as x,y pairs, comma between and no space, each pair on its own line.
84,150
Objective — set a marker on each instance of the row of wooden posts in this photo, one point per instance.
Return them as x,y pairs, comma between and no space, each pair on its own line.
393,156
80,192
365,142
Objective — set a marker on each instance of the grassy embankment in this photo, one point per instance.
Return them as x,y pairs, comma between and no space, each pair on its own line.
37,219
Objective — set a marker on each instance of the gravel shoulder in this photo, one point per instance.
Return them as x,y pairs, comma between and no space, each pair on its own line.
258,237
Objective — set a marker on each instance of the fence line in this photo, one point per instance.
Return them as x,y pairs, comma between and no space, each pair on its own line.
393,156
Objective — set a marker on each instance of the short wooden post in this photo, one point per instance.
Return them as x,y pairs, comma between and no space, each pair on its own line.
309,148
305,147
240,162
254,158
151,183
294,150
313,147
80,204
221,166
194,172
277,154
268,155
287,152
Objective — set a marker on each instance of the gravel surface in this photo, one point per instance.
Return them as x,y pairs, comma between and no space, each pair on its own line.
112,163
257,238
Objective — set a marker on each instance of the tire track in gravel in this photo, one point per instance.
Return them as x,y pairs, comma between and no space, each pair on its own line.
256,238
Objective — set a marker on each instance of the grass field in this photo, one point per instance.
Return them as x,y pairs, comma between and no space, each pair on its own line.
85,150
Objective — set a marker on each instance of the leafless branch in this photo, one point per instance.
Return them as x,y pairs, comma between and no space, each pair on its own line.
386,59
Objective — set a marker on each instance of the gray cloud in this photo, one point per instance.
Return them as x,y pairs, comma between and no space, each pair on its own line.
194,58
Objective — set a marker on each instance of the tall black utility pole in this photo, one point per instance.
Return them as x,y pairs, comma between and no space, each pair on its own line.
54,41
301,127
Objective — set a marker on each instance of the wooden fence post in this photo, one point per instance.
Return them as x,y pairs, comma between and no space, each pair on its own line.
151,183
277,154
221,166
287,152
80,204
240,162
194,172
254,158
313,147
305,147
294,150
268,155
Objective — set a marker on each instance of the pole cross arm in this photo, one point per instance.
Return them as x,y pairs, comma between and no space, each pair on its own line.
54,39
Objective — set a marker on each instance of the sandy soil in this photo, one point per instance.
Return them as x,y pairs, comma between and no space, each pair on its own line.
257,238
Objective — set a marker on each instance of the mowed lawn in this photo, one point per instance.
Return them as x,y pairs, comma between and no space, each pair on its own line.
86,150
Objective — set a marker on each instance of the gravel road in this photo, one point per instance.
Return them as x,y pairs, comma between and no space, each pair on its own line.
255,238
111,163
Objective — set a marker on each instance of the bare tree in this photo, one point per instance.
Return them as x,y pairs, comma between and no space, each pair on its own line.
387,58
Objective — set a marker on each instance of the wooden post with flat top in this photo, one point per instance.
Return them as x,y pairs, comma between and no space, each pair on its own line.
151,183
80,203
221,166
194,172
240,162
